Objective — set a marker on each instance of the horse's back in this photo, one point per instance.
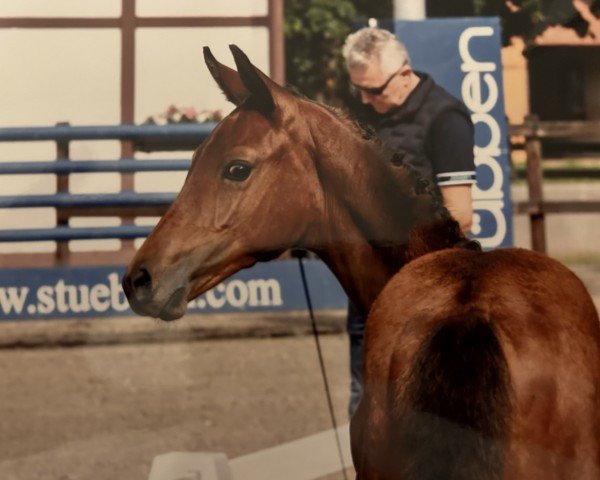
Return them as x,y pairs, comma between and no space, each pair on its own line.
548,330
523,291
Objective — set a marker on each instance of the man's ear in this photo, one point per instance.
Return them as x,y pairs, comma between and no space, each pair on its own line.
259,85
228,79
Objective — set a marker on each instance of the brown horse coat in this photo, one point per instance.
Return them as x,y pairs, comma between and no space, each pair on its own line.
542,422
477,365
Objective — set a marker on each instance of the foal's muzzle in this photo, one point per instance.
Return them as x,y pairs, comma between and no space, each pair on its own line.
137,284
138,288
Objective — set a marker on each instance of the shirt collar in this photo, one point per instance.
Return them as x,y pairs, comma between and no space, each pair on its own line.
414,101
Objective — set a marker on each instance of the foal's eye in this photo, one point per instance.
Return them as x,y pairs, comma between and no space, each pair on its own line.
238,171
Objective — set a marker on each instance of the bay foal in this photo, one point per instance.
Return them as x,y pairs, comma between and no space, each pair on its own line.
477,365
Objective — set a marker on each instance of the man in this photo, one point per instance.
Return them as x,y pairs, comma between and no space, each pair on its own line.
426,127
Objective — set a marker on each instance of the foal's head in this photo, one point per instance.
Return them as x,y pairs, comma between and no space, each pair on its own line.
249,196
253,191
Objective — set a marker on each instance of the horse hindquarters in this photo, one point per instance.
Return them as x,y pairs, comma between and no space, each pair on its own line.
451,415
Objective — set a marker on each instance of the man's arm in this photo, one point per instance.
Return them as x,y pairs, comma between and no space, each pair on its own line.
451,144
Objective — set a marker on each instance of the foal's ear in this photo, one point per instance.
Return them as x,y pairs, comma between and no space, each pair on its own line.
228,79
259,85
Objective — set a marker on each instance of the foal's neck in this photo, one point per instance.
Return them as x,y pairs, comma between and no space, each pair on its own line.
373,221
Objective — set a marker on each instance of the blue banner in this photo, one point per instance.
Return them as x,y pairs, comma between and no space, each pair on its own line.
84,292
463,56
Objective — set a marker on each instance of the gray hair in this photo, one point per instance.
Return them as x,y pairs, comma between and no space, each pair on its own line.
374,44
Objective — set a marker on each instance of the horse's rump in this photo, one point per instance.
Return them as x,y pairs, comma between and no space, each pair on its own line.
452,415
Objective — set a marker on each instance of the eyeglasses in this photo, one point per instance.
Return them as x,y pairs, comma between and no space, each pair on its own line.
374,91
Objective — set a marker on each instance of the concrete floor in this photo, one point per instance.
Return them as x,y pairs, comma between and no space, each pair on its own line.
104,412
570,237
100,412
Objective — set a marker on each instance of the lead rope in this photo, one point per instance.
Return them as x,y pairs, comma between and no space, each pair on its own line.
299,255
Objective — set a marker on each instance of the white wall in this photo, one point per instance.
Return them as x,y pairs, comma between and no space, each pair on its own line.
55,75
61,8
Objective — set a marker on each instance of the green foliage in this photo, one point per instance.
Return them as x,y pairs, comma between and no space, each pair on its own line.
315,31
478,6
522,18
371,9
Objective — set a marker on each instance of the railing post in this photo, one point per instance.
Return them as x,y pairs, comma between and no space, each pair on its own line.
533,147
62,186
276,41
127,185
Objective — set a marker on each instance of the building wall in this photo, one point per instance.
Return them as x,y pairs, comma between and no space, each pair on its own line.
73,75
516,90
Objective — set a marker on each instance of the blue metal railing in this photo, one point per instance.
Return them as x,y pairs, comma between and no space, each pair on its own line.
74,233
179,131
93,166
66,200
145,137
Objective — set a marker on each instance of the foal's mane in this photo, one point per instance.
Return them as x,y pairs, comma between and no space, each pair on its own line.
441,231
390,160
385,160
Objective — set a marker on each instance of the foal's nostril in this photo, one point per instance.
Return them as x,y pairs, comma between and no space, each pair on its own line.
142,279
